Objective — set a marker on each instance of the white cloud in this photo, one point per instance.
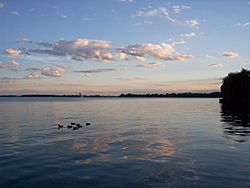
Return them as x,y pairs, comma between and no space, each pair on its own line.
126,1
216,65
152,65
14,63
122,56
231,54
162,51
64,16
24,41
1,5
192,34
192,23
140,58
101,51
11,66
15,13
143,23
181,57
79,49
85,19
242,24
13,52
52,71
176,42
209,56
178,8
32,76
161,12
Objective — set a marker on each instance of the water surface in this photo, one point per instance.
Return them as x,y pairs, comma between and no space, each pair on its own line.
131,142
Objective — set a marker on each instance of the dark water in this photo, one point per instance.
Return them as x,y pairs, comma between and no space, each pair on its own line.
130,143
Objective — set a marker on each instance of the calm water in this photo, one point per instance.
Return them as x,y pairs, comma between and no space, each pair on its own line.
131,143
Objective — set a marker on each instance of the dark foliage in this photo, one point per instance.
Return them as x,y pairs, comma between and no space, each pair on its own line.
236,86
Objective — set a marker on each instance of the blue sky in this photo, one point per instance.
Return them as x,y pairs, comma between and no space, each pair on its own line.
120,46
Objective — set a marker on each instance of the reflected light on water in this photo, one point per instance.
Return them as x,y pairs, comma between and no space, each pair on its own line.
130,143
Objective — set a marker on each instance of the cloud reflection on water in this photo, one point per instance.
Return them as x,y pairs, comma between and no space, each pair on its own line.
151,144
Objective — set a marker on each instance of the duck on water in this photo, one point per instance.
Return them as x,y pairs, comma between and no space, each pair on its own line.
73,125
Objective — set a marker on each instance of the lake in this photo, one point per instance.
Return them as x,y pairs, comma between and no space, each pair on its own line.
134,142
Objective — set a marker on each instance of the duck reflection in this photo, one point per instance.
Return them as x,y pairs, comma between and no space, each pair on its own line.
236,119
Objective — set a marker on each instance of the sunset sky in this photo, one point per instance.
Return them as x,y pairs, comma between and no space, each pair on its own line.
121,46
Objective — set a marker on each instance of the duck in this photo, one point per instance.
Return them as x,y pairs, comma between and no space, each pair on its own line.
88,123
73,123
74,128
78,125
60,126
69,126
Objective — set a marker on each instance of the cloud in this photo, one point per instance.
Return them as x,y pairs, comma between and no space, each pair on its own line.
15,13
11,66
161,12
32,76
13,52
144,22
162,51
13,63
126,1
79,49
133,79
8,79
24,41
64,16
216,65
32,69
44,44
29,41
85,19
192,34
231,54
192,23
48,52
102,51
122,56
52,71
140,58
242,24
178,8
152,65
176,42
209,56
102,70
1,5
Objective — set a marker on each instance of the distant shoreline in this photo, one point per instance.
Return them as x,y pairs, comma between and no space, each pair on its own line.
128,95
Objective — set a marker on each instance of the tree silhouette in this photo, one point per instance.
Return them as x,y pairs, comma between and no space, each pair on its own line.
236,86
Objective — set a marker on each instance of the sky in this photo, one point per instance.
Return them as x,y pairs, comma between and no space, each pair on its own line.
110,47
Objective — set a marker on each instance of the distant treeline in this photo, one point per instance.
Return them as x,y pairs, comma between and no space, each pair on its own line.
208,95
197,95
